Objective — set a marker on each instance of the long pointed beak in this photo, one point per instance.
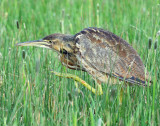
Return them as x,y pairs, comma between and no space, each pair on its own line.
38,43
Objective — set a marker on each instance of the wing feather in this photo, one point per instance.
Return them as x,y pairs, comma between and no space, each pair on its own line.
103,52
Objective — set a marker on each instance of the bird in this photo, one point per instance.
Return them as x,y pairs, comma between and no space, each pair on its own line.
98,52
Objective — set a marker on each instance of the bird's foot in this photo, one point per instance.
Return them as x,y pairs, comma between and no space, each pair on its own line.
77,88
97,91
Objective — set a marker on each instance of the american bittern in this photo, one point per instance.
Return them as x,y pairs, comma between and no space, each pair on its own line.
101,53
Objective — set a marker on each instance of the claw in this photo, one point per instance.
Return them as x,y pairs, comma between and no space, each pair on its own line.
97,91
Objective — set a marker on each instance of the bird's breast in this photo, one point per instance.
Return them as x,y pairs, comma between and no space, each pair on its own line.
71,62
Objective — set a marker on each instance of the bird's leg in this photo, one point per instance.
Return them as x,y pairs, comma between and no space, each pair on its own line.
98,86
76,85
121,96
76,78
121,92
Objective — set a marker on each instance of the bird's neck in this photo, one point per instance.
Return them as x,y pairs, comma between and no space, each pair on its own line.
69,45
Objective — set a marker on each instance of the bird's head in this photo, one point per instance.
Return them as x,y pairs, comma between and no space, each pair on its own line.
58,42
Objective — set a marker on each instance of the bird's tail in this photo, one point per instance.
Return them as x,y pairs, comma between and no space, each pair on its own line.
134,80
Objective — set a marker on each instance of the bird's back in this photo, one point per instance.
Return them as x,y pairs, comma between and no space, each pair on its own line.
104,53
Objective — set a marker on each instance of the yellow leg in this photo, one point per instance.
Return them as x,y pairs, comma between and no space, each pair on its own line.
76,78
121,96
76,85
99,90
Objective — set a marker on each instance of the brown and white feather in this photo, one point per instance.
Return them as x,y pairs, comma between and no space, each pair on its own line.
104,54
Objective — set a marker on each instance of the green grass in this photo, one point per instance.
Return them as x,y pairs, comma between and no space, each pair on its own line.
31,95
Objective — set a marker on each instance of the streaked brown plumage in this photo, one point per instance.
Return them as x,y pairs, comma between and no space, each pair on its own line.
98,52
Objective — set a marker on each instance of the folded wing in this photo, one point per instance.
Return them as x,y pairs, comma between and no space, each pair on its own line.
104,53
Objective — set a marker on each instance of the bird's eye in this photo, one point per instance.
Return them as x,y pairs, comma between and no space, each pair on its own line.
50,41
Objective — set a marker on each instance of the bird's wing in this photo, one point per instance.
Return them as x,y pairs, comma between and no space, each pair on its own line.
105,52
